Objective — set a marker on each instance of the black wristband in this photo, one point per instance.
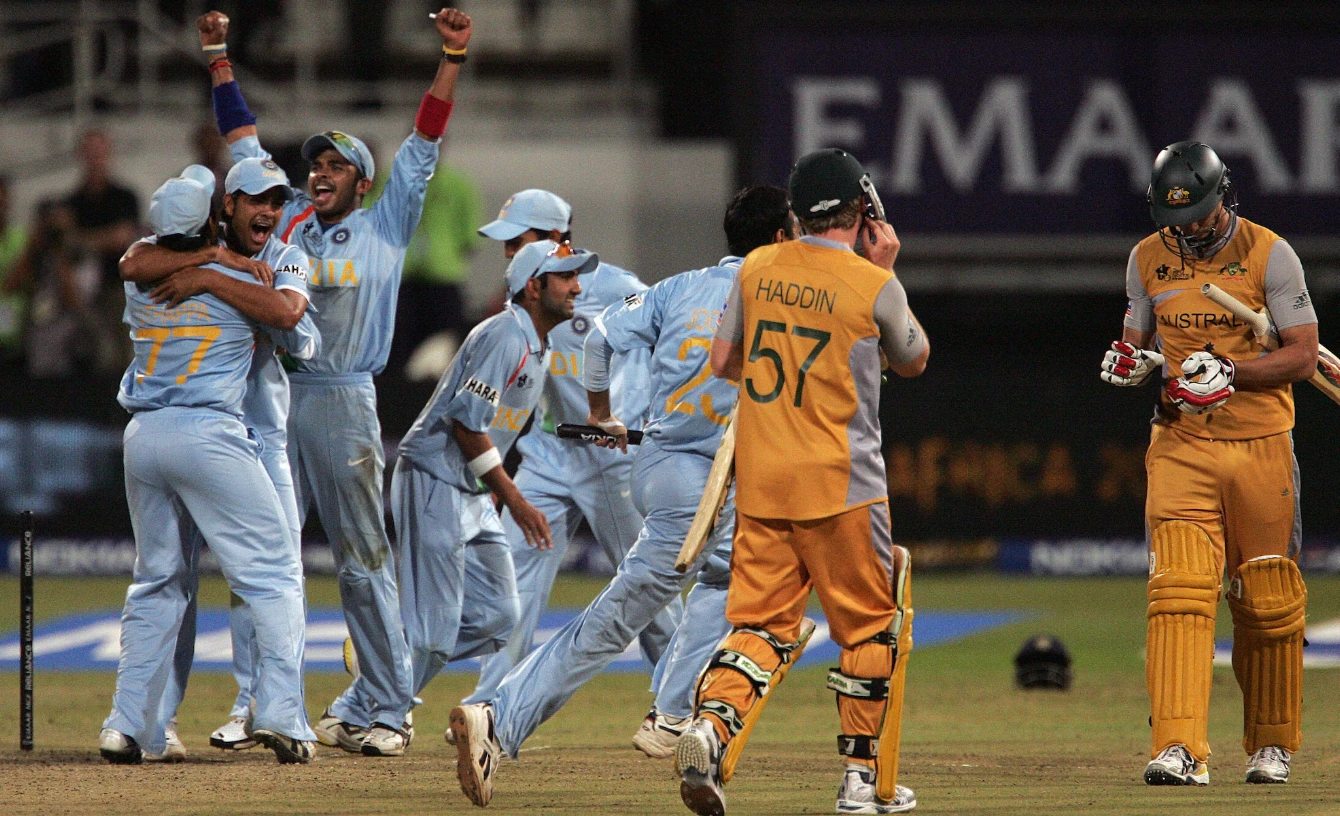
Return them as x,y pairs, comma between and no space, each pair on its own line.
456,58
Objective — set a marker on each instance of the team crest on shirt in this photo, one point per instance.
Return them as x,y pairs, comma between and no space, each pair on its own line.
1233,270
1178,197
482,390
523,381
1167,273
340,235
580,325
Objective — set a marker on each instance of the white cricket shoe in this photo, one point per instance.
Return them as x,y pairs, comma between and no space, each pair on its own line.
1175,766
698,763
175,750
232,736
857,794
477,750
288,750
658,734
409,726
1268,765
385,741
119,749
331,730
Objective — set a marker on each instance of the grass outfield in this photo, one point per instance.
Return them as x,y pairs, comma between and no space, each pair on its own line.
971,743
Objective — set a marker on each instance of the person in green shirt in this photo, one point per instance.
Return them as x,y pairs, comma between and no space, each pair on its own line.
13,299
432,291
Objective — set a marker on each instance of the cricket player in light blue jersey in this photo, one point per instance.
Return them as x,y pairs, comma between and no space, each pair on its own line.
192,465
689,408
265,406
566,479
458,592
335,442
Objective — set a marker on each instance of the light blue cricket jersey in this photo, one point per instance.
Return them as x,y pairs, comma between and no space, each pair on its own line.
356,263
677,318
492,386
564,393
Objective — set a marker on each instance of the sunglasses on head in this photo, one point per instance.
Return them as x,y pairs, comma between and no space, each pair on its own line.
563,250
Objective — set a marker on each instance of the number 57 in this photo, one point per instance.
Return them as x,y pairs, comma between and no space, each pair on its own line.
758,352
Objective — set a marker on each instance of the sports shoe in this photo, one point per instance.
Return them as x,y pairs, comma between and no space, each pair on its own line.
232,736
175,750
698,763
385,741
1270,764
288,751
1175,766
857,794
657,735
477,750
119,749
408,728
331,730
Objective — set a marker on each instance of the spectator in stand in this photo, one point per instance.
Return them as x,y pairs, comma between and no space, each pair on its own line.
60,330
12,300
106,220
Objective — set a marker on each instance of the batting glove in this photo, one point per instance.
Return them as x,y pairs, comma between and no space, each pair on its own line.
1206,383
1126,365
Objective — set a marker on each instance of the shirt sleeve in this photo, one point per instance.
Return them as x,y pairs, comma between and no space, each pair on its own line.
248,147
633,324
302,342
485,374
1286,292
396,213
292,271
900,337
732,315
1139,306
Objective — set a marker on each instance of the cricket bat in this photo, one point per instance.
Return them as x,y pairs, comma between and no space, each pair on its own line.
590,433
1327,376
719,480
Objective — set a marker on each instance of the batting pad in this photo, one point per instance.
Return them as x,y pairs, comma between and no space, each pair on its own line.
1268,601
1183,598
891,730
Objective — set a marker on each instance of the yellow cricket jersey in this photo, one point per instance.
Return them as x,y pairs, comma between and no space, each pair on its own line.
807,437
1187,322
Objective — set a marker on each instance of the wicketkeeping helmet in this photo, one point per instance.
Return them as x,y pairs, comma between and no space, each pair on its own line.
824,180
1042,662
1187,183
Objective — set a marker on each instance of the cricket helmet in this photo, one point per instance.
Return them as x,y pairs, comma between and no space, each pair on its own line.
824,180
1187,183
1043,662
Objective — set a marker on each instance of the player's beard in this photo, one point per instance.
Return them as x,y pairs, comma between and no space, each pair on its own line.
555,309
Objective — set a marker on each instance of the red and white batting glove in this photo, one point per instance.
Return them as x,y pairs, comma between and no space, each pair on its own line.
1127,365
1206,383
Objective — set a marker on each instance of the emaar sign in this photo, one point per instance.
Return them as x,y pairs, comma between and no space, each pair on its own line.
1054,133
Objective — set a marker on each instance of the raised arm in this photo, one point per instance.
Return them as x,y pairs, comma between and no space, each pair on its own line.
235,120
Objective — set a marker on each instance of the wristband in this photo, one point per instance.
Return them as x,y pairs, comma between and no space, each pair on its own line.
431,120
453,55
214,49
230,109
484,462
219,63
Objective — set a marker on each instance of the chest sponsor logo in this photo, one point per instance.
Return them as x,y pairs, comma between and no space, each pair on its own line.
1233,270
1199,320
1167,273
482,390
292,269
334,272
1303,301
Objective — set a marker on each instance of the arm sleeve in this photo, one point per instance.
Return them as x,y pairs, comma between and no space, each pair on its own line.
596,354
485,374
1139,307
396,214
1286,292
292,271
302,342
633,324
732,316
899,335
248,147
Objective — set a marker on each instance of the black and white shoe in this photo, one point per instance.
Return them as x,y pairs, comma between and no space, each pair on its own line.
857,794
1270,765
1175,766
658,735
331,730
698,762
477,750
119,749
385,741
288,750
232,736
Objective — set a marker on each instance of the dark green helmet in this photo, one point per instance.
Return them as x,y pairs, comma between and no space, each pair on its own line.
823,181
1187,184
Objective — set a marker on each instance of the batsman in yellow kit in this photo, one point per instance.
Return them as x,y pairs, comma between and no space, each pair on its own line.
803,331
1223,482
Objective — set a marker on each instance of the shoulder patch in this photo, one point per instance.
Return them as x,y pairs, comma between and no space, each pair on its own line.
633,301
482,390
1303,301
296,270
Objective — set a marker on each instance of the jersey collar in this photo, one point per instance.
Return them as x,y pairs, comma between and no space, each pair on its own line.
730,260
814,240
527,326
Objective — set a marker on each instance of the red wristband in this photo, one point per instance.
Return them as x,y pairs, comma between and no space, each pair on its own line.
220,63
431,120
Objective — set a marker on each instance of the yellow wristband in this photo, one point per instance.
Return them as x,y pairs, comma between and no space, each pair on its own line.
453,52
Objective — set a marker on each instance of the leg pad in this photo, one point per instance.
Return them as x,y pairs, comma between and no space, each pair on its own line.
1269,601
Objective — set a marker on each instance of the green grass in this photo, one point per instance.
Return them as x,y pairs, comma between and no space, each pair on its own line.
972,744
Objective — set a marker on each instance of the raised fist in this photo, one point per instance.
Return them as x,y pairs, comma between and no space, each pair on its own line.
213,28
454,27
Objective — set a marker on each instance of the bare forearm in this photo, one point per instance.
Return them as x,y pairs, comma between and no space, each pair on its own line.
1288,364
271,307
474,445
1137,338
600,403
146,263
727,359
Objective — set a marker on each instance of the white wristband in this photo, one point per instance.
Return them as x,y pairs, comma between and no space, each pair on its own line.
214,49
485,462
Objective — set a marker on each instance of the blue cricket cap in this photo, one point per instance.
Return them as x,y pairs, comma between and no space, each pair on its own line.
181,205
529,209
254,176
541,257
350,147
